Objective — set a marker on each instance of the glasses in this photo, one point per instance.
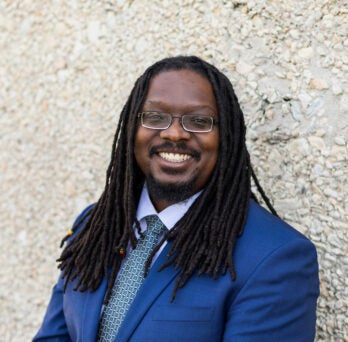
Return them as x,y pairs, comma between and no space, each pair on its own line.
195,123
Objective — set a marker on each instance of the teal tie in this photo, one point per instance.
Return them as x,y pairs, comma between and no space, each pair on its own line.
129,279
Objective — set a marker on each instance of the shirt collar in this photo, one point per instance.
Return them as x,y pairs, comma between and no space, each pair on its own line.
170,215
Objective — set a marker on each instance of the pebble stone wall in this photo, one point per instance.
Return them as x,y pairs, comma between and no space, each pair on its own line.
66,69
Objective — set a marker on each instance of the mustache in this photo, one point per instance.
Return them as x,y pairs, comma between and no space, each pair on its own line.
175,148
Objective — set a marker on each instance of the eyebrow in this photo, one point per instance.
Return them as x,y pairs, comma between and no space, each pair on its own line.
163,104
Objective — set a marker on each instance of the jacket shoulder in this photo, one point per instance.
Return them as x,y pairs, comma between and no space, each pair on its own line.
266,227
263,235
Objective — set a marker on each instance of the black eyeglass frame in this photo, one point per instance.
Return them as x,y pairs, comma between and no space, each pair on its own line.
181,118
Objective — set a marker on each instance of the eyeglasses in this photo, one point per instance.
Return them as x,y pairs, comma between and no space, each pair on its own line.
195,123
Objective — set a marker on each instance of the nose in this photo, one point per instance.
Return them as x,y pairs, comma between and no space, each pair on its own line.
175,132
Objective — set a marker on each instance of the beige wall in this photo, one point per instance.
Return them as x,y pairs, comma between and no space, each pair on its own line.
66,68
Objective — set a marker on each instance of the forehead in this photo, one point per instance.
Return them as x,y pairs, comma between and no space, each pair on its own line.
181,88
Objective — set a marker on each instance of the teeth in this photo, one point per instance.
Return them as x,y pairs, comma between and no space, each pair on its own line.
174,157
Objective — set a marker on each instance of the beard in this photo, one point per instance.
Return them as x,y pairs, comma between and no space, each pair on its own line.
172,193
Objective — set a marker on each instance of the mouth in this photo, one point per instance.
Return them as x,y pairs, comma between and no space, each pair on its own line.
174,157
178,153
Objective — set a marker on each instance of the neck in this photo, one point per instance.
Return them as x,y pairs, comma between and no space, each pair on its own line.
160,204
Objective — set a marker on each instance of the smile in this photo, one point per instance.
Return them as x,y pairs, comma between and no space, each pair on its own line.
174,157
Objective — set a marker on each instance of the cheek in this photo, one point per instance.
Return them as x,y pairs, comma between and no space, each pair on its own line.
142,142
139,148
145,136
141,139
211,145
211,149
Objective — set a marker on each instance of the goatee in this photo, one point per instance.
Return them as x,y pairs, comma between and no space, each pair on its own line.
173,193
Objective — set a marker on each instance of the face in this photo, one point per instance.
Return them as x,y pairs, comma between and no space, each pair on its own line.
175,158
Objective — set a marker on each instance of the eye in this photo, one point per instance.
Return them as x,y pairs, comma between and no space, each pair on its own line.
154,116
199,120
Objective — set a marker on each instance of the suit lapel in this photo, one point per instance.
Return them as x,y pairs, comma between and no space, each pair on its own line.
154,284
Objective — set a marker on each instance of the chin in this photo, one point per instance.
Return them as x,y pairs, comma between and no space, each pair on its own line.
171,192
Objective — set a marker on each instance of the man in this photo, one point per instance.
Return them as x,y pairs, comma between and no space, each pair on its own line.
220,267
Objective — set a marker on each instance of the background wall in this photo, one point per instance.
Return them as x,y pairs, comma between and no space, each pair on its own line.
66,69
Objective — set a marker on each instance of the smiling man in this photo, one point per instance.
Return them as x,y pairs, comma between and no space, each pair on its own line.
177,248
177,162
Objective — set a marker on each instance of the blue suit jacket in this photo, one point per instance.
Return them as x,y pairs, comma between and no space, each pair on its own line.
273,298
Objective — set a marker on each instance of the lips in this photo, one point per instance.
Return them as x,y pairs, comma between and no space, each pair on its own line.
174,153
174,157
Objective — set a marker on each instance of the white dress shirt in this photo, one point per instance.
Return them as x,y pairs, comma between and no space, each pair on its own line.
169,216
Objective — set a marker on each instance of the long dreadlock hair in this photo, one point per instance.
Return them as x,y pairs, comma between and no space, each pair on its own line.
218,215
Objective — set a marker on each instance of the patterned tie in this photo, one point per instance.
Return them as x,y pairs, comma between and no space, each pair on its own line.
129,279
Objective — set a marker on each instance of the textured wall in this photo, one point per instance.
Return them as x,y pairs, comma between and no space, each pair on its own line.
66,68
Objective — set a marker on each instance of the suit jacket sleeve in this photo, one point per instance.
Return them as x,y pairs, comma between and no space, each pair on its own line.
54,327
278,300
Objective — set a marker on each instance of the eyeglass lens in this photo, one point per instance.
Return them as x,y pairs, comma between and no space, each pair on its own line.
190,122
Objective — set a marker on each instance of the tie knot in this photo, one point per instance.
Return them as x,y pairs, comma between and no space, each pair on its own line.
154,224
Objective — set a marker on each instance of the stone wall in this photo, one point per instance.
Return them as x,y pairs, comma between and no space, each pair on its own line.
66,69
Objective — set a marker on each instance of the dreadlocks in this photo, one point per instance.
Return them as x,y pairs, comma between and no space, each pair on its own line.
218,215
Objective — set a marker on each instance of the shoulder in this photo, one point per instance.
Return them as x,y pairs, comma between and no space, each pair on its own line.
266,237
263,227
277,282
